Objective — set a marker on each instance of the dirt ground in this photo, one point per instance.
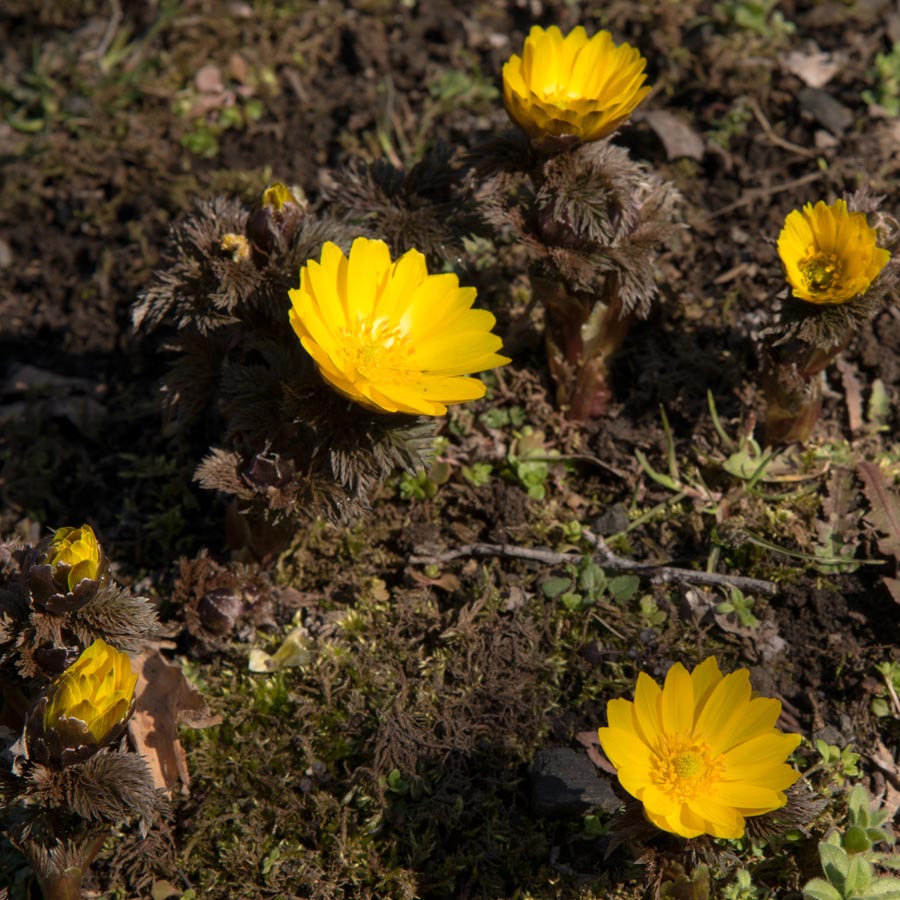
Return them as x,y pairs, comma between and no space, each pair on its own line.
394,761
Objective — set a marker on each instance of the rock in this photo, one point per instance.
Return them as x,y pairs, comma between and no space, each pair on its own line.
827,111
564,782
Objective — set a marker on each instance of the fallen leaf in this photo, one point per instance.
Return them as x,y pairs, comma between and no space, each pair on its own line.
447,582
852,394
885,512
815,69
209,79
678,138
165,699
591,743
295,650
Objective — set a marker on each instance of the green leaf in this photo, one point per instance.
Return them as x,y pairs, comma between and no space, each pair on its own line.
575,601
883,889
592,579
855,839
859,876
554,587
819,889
658,477
835,864
623,587
858,805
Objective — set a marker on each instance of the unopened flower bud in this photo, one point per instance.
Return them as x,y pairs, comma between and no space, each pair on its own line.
236,246
219,610
71,573
275,220
85,708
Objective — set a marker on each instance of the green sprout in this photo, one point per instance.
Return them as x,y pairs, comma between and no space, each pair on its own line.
890,672
864,828
582,586
849,859
739,606
742,888
840,763
478,474
886,76
761,17
529,461
849,878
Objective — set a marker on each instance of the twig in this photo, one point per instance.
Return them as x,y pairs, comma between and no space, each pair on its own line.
112,26
608,559
894,698
754,194
773,137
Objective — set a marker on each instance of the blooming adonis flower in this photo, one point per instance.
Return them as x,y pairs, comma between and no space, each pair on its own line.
573,85
700,753
390,336
96,690
74,554
829,254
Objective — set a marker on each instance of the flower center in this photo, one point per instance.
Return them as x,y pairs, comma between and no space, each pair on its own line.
821,271
685,768
380,352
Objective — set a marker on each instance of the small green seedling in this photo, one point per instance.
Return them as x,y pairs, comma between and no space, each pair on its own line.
739,606
742,888
583,586
841,763
864,823
849,877
887,700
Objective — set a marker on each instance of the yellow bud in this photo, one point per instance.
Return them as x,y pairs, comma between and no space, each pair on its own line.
74,554
236,245
96,689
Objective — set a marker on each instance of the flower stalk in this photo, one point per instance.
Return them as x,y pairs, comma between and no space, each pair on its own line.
583,333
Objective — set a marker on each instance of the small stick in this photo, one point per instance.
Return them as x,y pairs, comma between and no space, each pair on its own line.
751,195
773,137
607,558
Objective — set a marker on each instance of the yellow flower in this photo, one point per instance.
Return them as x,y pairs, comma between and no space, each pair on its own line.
96,689
829,254
74,554
573,85
390,336
702,752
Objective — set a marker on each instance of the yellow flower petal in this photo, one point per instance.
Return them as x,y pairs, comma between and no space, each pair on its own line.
705,678
829,254
579,86
647,696
96,689
677,704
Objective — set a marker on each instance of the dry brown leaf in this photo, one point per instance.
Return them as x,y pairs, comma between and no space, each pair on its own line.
591,743
678,138
885,512
852,394
814,69
165,700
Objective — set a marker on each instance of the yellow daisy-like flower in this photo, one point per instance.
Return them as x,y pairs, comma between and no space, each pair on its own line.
573,85
700,753
75,554
830,255
96,689
390,336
